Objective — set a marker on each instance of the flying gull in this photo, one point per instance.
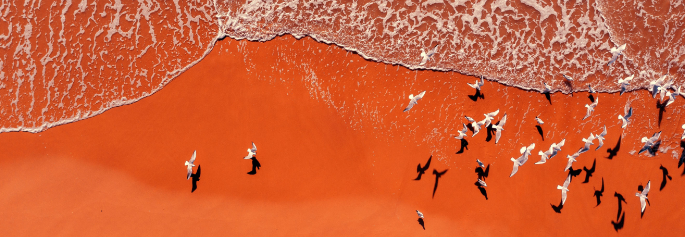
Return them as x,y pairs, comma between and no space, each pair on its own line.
413,100
643,196
626,117
588,142
553,149
539,120
570,79
571,159
488,118
649,142
251,152
462,133
600,137
591,108
616,51
564,189
590,90
191,164
525,151
625,82
478,84
427,56
499,127
474,124
480,163
547,88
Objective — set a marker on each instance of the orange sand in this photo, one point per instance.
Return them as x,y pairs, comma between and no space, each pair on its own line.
121,173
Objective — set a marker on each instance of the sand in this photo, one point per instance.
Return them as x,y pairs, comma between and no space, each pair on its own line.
325,169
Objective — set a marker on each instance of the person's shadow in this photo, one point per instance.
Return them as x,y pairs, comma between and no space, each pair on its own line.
464,145
196,178
662,109
614,152
477,96
482,189
255,166
665,175
542,134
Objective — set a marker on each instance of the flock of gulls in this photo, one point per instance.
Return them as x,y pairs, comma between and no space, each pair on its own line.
661,86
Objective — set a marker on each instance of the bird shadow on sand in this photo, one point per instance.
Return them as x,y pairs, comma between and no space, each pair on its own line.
477,96
196,178
558,208
621,200
548,97
422,170
422,224
573,172
464,145
589,172
482,174
489,131
613,152
665,175
592,98
619,225
682,157
437,177
662,109
655,148
599,193
255,166
542,134
482,189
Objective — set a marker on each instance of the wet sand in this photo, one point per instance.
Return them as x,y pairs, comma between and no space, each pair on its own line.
325,169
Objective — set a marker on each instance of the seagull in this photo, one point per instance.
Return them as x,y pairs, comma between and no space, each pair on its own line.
655,85
414,100
539,120
590,90
420,214
600,137
571,159
564,189
649,142
499,127
616,52
427,56
567,77
625,118
590,108
544,156
663,89
190,165
251,152
672,96
588,142
478,84
462,133
643,196
525,151
488,118
547,88
482,183
625,82
474,124
553,149
480,163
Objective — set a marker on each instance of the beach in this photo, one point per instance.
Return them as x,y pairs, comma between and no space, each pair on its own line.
338,155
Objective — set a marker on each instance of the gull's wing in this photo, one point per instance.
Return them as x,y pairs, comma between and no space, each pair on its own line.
563,197
630,113
498,134
475,86
523,149
470,119
481,82
543,158
646,190
515,169
465,129
480,163
601,142
522,160
504,120
192,158
568,181
411,104
589,111
560,144
420,95
643,204
254,147
604,133
531,147
492,114
190,172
